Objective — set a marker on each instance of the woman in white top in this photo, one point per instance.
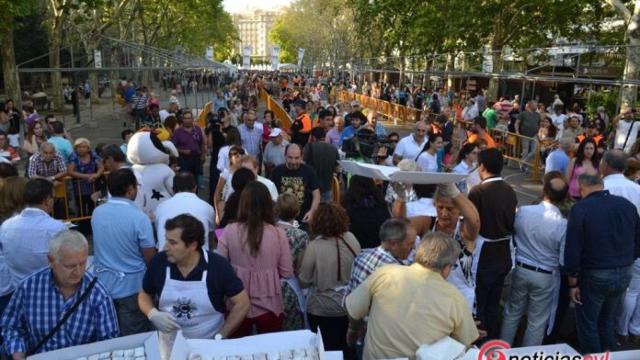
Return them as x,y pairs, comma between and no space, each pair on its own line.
232,138
224,181
467,162
428,158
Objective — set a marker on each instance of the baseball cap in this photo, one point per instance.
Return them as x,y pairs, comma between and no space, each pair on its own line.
300,103
275,132
355,103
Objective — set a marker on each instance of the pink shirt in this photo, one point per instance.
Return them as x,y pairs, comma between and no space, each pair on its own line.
260,275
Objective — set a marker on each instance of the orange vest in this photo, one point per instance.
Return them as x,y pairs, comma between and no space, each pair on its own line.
597,138
306,123
487,138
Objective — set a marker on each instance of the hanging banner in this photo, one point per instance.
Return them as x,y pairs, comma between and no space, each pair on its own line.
246,56
300,56
487,60
97,59
275,58
209,54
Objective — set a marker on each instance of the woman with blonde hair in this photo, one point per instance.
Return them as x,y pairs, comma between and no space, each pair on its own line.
86,168
287,210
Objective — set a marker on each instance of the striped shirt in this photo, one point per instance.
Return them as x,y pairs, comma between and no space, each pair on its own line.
37,305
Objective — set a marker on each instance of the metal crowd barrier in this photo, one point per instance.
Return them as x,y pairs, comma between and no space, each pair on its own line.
398,114
278,111
72,207
510,144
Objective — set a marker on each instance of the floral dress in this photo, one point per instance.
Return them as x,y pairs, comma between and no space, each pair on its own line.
298,241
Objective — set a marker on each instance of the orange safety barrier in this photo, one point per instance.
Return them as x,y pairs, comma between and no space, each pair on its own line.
511,145
278,111
394,112
69,208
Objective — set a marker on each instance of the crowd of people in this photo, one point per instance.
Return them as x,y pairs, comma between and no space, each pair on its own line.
380,270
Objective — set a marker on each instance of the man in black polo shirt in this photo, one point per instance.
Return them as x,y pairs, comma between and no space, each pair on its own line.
496,203
177,278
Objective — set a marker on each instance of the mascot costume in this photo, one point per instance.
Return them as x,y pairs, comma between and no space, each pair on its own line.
149,152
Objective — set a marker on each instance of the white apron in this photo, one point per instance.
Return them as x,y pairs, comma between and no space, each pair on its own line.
189,303
466,286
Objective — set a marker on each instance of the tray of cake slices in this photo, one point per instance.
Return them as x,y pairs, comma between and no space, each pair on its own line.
286,345
144,346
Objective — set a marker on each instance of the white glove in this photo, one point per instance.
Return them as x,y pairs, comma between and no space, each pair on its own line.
163,321
402,190
449,190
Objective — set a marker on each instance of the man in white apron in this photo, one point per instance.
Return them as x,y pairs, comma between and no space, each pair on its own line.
177,279
496,203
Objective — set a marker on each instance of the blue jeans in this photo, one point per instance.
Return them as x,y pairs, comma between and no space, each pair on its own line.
600,292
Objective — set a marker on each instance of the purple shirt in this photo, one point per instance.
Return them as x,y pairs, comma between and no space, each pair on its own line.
191,140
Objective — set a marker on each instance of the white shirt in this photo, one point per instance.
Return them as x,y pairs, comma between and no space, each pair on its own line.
165,114
421,207
428,162
408,148
619,185
540,231
228,189
558,122
184,203
273,191
25,243
470,112
463,185
621,135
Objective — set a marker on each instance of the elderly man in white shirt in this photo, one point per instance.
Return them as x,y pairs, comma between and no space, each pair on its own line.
409,147
540,234
611,166
185,201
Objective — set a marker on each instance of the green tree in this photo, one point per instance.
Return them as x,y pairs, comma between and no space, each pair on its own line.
324,28
11,11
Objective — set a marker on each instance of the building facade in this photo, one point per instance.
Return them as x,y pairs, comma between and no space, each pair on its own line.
253,29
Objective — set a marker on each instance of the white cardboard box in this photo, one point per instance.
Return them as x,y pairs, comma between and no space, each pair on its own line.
391,173
264,343
149,340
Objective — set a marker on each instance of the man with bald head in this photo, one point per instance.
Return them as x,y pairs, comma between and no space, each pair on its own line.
539,232
47,164
409,147
298,179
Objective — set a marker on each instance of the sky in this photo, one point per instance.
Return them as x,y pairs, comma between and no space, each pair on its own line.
235,6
